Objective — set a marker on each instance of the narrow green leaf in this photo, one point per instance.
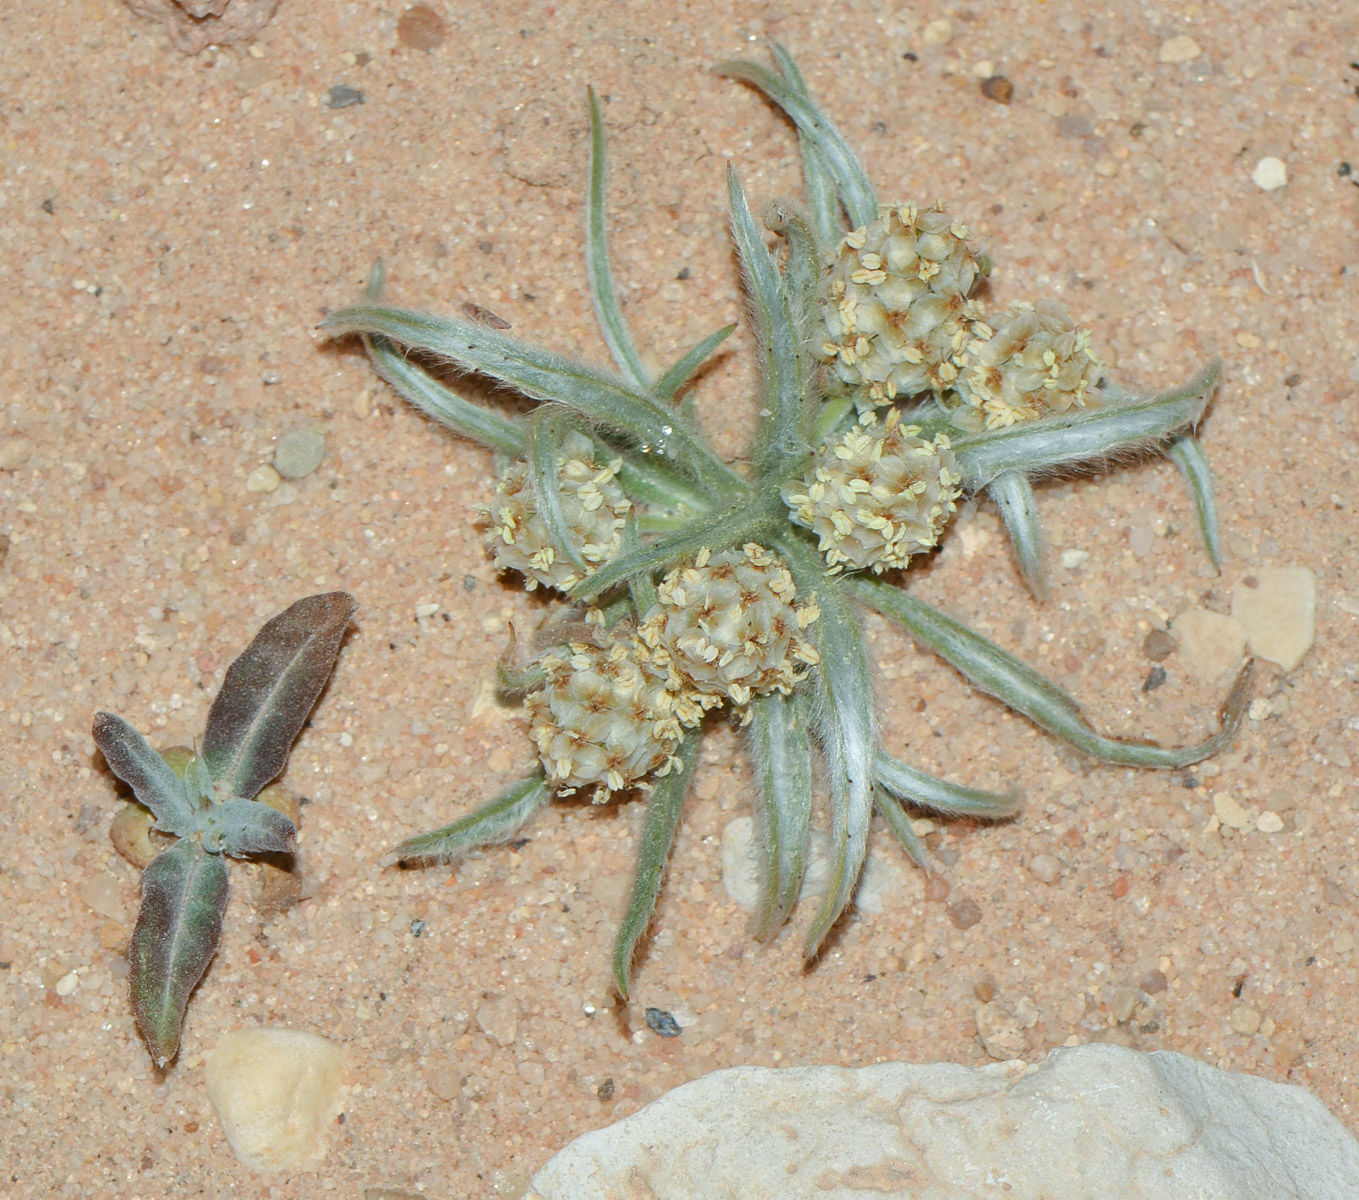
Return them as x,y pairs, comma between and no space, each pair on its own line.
716,531
663,808
856,192
1186,451
817,179
496,821
668,385
1001,674
607,310
845,730
244,827
545,438
781,749
542,375
779,338
938,795
184,894
899,822
1018,507
269,692
640,585
1091,436
421,390
152,780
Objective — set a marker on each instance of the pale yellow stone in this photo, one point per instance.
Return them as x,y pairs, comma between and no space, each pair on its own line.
1269,822
1229,811
276,1093
1277,607
1180,49
1210,644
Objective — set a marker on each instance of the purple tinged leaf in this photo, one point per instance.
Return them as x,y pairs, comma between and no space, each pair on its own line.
152,779
269,691
184,894
242,827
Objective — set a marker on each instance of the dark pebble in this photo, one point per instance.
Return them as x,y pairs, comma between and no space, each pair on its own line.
417,927
344,96
1158,645
605,1090
998,88
662,1023
1155,677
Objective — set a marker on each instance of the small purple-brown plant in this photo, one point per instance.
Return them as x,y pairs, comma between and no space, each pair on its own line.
207,802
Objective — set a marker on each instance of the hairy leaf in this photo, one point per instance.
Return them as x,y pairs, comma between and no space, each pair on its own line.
938,795
1013,494
845,728
496,821
663,808
152,780
270,690
780,743
1186,451
184,894
607,310
243,827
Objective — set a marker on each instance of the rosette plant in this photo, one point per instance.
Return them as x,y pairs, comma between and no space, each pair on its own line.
694,585
206,801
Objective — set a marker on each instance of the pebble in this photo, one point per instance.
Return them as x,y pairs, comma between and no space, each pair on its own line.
1260,709
421,28
1244,1019
1210,644
1269,173
14,452
498,1019
262,479
1000,1032
1230,812
276,1092
104,895
1269,822
1158,645
343,96
939,32
299,453
1180,49
1045,868
964,913
998,88
1071,559
1277,607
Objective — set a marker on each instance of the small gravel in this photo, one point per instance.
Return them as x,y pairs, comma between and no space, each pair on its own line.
1277,608
1045,868
262,479
1181,49
1270,173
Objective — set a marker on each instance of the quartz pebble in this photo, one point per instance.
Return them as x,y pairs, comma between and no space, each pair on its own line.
1091,1120
1180,49
299,453
104,895
1210,644
1277,607
1269,173
1045,868
262,479
1229,811
276,1092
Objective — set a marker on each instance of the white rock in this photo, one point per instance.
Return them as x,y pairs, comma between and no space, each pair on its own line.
276,1092
1210,644
1269,173
1277,607
1094,1121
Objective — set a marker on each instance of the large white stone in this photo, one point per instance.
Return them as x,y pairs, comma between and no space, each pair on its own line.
276,1092
1098,1122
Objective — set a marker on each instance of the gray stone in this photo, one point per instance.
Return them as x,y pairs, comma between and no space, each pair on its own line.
299,453
1091,1121
276,1092
1277,606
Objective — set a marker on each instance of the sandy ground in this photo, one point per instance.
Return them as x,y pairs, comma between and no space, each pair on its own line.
171,230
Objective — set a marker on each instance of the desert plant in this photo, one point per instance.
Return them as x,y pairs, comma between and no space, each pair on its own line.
207,802
695,586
